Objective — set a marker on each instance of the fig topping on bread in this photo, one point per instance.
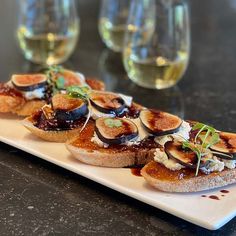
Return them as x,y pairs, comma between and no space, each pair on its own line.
186,157
107,102
29,82
115,130
67,108
160,123
225,145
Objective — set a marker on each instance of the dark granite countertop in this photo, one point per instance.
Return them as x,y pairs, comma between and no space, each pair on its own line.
38,198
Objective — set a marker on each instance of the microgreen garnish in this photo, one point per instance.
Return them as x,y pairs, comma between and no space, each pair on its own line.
204,139
81,92
60,83
55,82
113,123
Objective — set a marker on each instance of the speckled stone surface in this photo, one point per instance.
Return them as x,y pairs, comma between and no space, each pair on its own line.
38,198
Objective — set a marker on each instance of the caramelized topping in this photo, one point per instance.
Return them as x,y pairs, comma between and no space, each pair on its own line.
84,141
64,102
226,144
159,122
115,130
175,150
158,171
53,124
107,102
29,82
8,91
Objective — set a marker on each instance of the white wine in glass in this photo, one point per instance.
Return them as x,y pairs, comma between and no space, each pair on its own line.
161,60
48,30
113,35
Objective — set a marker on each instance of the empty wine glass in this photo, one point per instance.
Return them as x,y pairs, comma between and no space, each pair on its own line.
47,30
158,56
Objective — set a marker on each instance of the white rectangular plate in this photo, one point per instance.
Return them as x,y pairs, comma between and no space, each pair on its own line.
202,211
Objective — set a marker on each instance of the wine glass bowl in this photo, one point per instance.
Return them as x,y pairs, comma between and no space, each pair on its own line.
157,57
47,30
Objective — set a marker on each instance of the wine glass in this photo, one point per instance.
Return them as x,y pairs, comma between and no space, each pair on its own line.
112,22
156,55
47,30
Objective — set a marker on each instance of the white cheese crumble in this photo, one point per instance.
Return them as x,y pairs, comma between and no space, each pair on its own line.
231,164
214,165
181,135
142,133
37,93
95,114
98,141
127,99
162,158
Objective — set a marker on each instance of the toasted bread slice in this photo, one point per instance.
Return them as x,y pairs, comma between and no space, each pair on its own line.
12,100
29,107
53,136
83,149
95,84
184,180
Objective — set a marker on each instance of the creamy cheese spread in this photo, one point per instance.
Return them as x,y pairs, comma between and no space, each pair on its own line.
162,158
214,165
97,141
37,93
127,99
95,114
181,135
231,164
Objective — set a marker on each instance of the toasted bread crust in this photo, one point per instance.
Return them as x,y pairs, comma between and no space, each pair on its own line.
111,159
95,84
53,136
29,107
10,103
188,183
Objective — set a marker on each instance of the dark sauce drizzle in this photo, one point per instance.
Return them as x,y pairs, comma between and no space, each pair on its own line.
214,197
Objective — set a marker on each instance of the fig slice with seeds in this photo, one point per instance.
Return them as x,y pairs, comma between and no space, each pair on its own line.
107,102
226,145
115,130
186,157
160,123
67,108
29,82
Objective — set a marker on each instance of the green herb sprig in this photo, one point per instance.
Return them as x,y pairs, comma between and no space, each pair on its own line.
208,136
55,83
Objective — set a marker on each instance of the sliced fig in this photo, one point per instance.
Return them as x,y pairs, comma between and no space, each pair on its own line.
115,130
29,82
185,157
67,108
107,102
226,145
160,123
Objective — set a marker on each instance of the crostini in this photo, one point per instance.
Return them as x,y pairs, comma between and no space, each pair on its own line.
204,161
27,93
